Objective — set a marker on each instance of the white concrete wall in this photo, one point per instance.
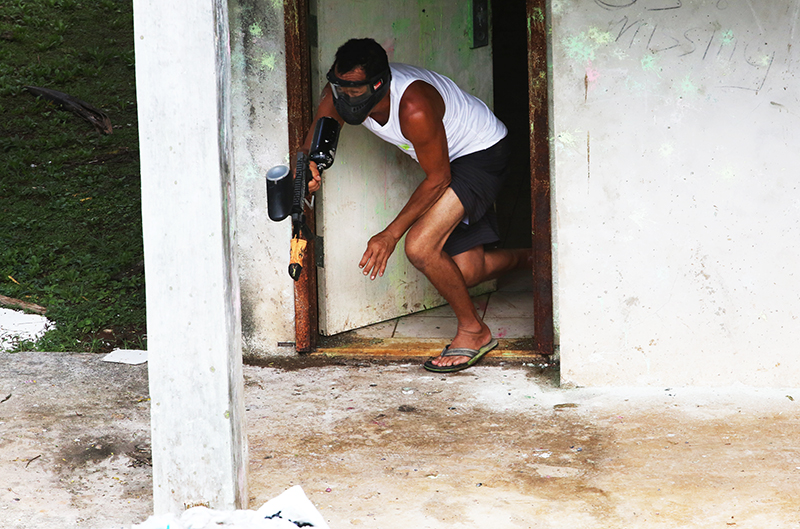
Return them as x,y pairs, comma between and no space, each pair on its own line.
675,192
193,306
260,138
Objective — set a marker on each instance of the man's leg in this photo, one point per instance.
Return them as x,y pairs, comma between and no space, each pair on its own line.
478,265
424,243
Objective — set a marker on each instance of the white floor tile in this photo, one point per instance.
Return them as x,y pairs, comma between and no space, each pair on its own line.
510,327
415,326
510,305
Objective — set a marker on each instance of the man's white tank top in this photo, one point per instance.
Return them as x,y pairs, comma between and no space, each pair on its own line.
469,124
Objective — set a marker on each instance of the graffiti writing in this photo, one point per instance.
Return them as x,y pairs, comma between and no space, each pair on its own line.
751,59
651,5
647,5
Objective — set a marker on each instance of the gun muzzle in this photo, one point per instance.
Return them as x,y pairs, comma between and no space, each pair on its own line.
298,254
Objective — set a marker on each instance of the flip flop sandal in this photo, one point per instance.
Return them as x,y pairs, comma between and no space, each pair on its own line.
473,354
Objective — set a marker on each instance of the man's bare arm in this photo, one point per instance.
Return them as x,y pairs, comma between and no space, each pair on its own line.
421,112
325,109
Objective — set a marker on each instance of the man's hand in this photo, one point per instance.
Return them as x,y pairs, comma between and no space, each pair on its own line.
379,248
316,180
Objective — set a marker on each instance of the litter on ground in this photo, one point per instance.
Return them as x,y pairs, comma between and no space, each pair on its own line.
290,510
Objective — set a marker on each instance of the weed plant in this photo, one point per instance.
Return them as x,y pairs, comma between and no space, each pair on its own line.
70,215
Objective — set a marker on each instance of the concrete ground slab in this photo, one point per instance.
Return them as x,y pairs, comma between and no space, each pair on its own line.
74,441
387,445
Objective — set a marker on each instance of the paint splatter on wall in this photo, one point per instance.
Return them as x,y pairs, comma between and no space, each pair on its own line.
689,39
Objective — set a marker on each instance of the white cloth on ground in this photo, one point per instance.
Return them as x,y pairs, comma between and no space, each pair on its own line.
290,510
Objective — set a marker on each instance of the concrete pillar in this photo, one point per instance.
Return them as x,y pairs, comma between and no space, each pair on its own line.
193,306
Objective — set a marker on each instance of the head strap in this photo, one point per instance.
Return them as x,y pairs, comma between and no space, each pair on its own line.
333,79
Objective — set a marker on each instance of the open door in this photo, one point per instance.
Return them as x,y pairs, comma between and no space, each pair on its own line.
371,181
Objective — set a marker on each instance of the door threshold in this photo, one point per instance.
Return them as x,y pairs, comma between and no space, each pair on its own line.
356,346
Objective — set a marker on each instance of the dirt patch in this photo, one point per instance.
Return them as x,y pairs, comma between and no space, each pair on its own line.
75,440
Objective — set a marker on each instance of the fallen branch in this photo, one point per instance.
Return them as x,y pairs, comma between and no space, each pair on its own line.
6,301
93,115
103,158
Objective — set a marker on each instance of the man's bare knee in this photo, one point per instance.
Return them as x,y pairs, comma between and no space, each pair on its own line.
416,250
471,264
472,276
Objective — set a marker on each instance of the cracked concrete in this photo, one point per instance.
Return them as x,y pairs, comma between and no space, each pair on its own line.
388,445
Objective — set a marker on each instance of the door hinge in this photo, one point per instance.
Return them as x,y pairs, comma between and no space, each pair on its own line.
480,23
319,251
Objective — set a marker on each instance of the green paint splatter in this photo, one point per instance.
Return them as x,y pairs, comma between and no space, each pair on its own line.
537,18
687,86
727,38
579,48
600,37
567,139
255,30
650,64
267,62
430,40
582,47
401,26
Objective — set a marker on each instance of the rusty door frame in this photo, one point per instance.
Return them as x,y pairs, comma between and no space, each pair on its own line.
300,114
539,121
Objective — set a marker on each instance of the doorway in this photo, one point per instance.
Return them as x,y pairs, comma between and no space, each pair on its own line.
510,72
511,102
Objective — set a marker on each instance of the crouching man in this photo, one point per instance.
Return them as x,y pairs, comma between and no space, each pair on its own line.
462,148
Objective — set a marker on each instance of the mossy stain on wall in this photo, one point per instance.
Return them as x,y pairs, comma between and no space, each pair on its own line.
256,31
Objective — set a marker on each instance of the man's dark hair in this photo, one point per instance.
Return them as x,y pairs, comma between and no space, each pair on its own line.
364,53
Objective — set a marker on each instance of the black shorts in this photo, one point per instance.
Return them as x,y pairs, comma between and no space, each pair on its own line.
476,180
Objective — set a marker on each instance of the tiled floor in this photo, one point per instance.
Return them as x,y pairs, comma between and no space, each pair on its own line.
508,312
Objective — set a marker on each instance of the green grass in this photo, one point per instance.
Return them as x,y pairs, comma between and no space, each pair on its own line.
70,215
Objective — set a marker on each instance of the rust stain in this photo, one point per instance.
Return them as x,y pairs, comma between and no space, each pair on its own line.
588,155
586,87
540,184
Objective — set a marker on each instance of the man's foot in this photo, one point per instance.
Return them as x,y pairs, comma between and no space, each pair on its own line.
472,355
465,340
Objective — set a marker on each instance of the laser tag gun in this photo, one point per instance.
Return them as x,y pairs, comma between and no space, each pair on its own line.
287,196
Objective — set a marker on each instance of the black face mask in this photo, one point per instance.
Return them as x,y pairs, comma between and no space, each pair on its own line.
354,100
